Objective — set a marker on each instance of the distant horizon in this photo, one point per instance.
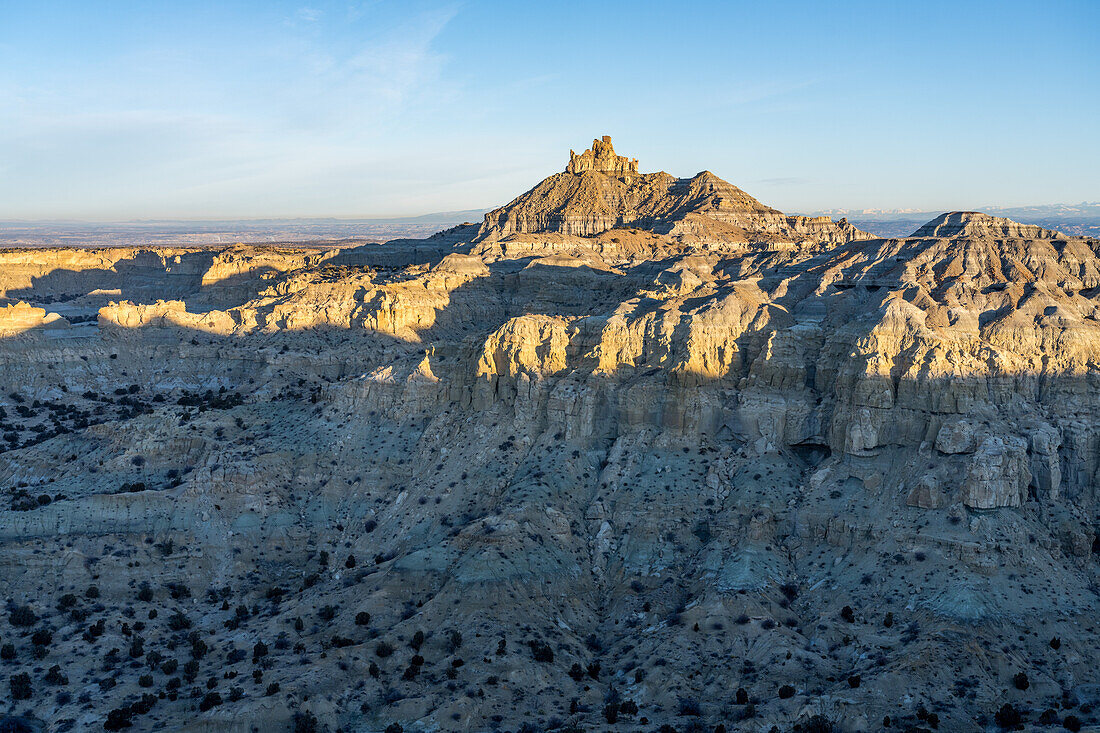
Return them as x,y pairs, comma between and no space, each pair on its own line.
210,111
479,212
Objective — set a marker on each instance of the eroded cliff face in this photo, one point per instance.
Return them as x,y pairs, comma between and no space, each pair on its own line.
589,471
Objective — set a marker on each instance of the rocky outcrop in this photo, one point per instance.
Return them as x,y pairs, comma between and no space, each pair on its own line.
21,318
601,158
601,191
998,474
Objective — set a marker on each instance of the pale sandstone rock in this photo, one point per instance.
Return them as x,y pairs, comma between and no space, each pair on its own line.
998,475
957,437
927,494
22,318
1046,463
601,158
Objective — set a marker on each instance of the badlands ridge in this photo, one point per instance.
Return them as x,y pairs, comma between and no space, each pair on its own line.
636,453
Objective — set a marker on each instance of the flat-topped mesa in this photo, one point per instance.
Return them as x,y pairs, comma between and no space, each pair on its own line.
977,224
601,158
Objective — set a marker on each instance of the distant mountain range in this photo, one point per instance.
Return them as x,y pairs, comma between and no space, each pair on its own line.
1081,219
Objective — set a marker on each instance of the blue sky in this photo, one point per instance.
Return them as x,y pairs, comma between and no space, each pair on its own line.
116,110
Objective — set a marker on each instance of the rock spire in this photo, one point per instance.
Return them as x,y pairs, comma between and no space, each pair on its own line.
602,159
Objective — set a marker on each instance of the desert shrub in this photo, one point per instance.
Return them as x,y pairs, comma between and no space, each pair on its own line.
1055,643
785,692
383,649
417,640
170,666
1008,717
818,724
848,614
888,620
1020,681
211,700
178,591
576,672
22,616
362,619
611,712
541,651
178,622
741,696
119,718
146,680
259,650
1071,723
454,641
66,602
20,686
305,722
327,613
272,689
7,652
55,676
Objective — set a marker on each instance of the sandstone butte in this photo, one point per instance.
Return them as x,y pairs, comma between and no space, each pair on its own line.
636,452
